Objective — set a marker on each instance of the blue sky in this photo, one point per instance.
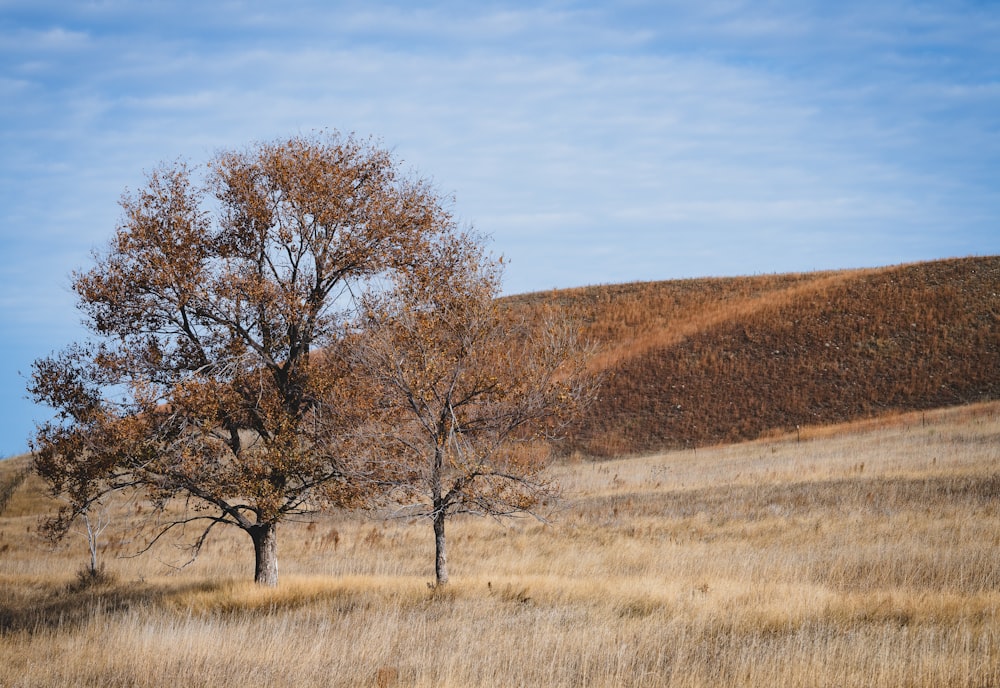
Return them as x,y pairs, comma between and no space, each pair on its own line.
595,142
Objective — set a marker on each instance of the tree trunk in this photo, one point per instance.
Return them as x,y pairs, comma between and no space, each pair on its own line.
265,550
440,549
91,543
440,512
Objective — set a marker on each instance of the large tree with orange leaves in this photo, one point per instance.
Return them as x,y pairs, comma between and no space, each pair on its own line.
217,380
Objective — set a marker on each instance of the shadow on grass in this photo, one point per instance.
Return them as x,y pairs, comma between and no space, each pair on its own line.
68,606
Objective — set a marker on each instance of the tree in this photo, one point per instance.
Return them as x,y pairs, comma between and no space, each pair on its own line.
468,394
217,375
95,522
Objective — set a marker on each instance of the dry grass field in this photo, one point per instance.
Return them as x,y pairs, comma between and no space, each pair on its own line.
860,555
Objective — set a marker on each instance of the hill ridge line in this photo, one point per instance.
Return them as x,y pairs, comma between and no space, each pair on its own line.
707,361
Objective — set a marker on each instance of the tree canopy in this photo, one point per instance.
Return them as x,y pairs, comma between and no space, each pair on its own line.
221,315
469,394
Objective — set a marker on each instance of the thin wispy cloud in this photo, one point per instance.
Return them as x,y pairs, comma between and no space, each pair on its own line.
595,142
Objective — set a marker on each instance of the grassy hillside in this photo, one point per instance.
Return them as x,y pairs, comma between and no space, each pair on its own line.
861,556
697,362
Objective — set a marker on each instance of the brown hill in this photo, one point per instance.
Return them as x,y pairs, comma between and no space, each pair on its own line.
695,362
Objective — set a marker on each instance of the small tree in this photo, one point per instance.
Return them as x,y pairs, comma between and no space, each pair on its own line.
468,393
96,519
218,377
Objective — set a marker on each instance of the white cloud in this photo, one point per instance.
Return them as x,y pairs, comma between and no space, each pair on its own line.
45,40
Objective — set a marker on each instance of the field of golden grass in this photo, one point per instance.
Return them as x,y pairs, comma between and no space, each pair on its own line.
861,555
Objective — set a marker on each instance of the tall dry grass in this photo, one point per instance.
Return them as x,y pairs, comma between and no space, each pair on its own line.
852,556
